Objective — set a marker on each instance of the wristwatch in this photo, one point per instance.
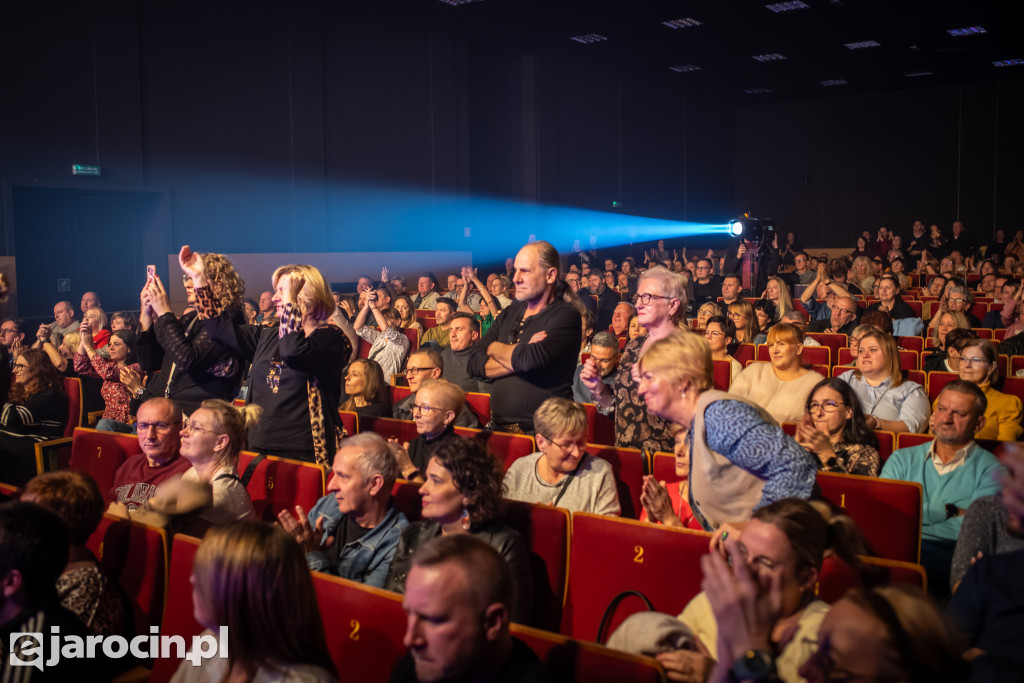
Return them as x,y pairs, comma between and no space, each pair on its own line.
754,665
139,392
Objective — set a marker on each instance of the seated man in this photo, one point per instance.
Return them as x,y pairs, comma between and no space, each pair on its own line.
905,322
732,289
705,286
953,470
620,320
63,323
1006,289
137,479
353,531
842,321
822,287
444,308
604,349
426,288
427,364
463,332
459,596
797,317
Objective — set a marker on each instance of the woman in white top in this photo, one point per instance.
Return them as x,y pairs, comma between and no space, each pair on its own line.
211,441
889,402
782,386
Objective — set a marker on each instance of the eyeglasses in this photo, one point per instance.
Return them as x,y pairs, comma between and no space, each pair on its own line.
958,301
568,447
827,406
844,311
8,330
645,298
416,371
968,361
160,427
713,333
192,428
19,366
425,409
186,280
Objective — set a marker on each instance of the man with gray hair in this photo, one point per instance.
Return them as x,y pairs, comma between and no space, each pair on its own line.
604,349
353,531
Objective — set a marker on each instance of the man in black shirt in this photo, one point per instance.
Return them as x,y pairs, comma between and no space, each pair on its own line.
531,349
706,286
843,320
604,308
961,241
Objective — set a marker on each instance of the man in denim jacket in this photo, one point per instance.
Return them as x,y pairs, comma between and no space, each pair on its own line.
353,531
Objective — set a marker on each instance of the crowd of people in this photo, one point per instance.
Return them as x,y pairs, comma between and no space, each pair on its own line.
641,343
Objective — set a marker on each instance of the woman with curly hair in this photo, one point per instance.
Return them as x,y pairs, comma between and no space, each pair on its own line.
295,371
193,366
462,495
36,409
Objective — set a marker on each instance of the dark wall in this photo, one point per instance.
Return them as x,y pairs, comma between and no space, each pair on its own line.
830,168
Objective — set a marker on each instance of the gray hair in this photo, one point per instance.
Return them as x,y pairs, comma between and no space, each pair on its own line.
672,285
605,340
374,458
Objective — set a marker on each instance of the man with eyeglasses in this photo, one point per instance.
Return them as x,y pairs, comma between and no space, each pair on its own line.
705,286
572,278
159,427
822,286
604,349
953,471
842,321
905,322
423,365
803,272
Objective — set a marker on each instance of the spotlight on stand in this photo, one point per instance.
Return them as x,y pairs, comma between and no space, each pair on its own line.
755,230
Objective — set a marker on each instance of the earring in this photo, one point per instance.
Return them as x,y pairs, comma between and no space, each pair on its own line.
465,519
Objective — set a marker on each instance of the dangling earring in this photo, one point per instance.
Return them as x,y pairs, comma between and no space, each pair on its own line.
465,519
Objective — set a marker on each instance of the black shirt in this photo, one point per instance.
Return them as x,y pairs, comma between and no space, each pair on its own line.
522,666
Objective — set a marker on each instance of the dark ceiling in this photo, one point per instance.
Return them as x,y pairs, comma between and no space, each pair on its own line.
913,38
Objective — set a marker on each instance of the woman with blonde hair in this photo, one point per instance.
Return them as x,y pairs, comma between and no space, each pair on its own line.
889,402
945,323
94,323
295,371
777,291
707,310
781,386
861,273
741,459
211,440
238,583
741,313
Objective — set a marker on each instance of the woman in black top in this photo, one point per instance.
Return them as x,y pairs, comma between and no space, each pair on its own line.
296,367
36,409
368,393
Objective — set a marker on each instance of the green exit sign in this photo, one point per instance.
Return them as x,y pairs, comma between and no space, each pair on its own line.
83,169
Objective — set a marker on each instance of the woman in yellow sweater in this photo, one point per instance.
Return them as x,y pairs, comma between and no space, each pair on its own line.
1002,416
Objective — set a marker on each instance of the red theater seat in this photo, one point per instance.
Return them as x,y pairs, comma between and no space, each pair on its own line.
722,374
836,577
480,404
99,454
546,532
629,467
350,420
281,483
570,660
178,619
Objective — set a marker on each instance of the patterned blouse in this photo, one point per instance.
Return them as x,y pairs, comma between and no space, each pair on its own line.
854,458
96,599
634,426
115,394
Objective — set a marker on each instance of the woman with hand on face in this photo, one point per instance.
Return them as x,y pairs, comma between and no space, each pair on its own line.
669,504
777,292
121,348
437,404
94,323
780,387
296,368
889,402
562,473
462,495
834,430
978,364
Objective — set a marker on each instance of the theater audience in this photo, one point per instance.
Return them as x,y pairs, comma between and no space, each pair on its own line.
367,389
36,409
562,473
842,320
116,396
741,460
388,344
958,298
237,581
462,495
661,306
889,402
427,364
978,364
834,430
604,349
953,471
781,386
434,409
905,321
84,587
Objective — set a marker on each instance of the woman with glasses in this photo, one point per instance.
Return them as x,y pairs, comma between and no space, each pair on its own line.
780,387
296,367
889,402
720,334
660,302
211,441
707,311
978,364
562,473
192,366
957,299
834,430
741,313
36,409
461,494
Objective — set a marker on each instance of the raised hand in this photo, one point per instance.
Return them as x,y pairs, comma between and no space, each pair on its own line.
192,265
43,333
301,530
158,296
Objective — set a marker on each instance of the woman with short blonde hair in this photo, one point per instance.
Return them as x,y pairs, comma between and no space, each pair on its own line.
889,402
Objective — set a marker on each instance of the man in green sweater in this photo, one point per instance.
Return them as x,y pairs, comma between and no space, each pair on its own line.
952,469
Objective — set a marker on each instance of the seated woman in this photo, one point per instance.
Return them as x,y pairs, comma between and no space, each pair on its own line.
669,504
834,430
116,396
978,364
740,459
211,441
635,329
890,402
937,286
36,409
777,291
562,473
462,495
947,358
95,321
721,336
237,581
959,298
84,587
388,344
741,313
782,386
706,311
765,312
367,390
946,321
783,545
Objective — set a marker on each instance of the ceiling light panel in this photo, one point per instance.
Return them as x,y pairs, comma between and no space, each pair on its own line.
681,23
862,45
787,6
588,38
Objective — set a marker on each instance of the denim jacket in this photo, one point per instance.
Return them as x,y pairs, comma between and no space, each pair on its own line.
365,560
